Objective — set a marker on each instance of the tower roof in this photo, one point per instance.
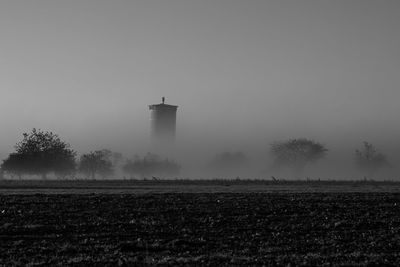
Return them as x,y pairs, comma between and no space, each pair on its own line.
166,106
162,105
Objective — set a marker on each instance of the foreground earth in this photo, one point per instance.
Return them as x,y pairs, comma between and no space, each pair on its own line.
285,229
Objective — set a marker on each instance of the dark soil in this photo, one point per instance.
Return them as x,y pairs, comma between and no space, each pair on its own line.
201,229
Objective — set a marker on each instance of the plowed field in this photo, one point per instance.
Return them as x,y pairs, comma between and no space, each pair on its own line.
200,229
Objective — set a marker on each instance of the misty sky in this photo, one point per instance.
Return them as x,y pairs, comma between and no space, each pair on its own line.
247,72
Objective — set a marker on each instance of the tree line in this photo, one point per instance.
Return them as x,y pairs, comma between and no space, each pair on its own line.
42,153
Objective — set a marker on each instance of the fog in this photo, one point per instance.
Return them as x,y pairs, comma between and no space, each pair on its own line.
243,73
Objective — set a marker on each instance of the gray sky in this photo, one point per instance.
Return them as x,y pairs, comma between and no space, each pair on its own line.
247,72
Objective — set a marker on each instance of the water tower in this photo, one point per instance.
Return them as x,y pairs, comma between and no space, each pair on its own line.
163,122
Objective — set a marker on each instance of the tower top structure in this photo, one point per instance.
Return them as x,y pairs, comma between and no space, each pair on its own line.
162,105
163,122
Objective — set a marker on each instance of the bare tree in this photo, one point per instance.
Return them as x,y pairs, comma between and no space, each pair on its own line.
369,160
297,153
97,162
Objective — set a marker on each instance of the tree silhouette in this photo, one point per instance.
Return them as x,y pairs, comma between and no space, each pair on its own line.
97,162
40,153
297,153
368,159
17,164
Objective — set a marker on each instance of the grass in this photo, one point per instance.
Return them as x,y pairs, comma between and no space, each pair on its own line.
189,186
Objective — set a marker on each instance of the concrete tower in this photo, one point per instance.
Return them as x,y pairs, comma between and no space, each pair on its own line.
163,122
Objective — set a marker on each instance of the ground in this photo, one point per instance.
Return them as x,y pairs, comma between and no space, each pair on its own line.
283,228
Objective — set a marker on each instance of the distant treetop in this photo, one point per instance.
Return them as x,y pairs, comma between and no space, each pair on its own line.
368,159
297,153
